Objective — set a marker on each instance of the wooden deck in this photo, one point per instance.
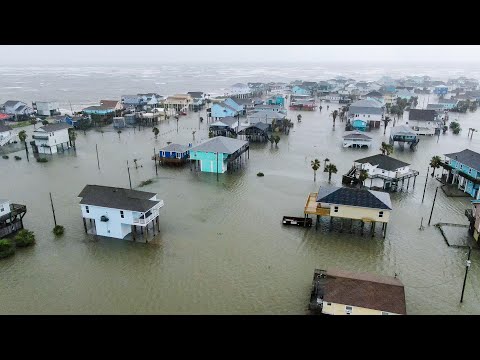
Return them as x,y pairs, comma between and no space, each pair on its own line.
312,208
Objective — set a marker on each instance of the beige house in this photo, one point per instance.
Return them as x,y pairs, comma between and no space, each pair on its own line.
339,292
179,102
112,104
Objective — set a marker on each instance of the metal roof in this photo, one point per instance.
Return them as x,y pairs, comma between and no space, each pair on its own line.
384,162
220,144
176,148
54,127
354,197
467,157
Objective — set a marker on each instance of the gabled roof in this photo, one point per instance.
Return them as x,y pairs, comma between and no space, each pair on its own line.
5,128
402,130
109,103
467,157
384,162
354,197
175,147
447,101
12,103
222,104
421,115
117,198
241,102
434,107
54,127
227,121
357,135
220,144
268,107
367,103
195,94
374,94
383,293
239,85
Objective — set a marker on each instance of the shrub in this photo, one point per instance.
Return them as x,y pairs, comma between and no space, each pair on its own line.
24,238
146,182
5,156
18,157
260,174
58,230
7,248
42,160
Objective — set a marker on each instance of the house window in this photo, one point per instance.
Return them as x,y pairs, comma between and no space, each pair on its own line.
87,210
329,304
348,310
385,313
122,215
380,214
2,209
335,209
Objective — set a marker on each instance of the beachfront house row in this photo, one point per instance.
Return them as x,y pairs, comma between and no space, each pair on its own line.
463,169
178,102
50,137
423,122
368,110
384,172
221,110
215,154
141,101
356,139
6,134
240,90
46,108
340,292
448,104
116,212
224,126
106,107
17,108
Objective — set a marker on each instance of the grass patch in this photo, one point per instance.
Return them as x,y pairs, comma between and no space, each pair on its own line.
7,248
260,174
146,182
21,124
42,160
58,230
24,238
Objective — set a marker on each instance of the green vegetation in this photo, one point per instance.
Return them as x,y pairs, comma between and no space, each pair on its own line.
363,176
146,182
455,127
5,157
435,163
276,138
58,230
315,166
156,131
386,149
260,174
17,157
21,124
45,122
42,160
7,248
331,169
24,238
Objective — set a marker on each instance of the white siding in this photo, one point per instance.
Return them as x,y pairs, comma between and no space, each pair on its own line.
4,207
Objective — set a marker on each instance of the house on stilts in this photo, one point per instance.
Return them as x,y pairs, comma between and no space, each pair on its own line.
11,217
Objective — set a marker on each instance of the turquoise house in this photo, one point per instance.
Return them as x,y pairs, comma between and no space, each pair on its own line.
98,110
236,106
297,90
221,110
359,125
216,154
276,100
463,168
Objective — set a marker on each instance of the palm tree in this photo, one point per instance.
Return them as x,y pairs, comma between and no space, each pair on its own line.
435,163
193,133
119,132
272,139
299,117
44,122
135,161
276,138
385,120
363,176
34,123
386,149
325,162
72,136
331,168
334,115
315,166
22,135
155,131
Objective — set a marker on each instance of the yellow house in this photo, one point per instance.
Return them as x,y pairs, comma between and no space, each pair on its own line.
339,292
179,102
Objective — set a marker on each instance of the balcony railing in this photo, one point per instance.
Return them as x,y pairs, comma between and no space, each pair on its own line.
145,220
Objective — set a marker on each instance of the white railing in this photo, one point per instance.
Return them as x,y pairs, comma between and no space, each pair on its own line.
6,139
155,213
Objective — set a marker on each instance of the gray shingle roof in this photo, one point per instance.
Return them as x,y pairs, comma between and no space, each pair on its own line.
384,162
354,197
467,157
117,198
434,107
365,110
220,144
421,115
447,101
5,128
366,103
176,148
402,130
228,120
357,135
268,107
11,102
195,94
374,94
54,127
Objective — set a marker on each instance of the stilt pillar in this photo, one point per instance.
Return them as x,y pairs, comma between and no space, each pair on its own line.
85,224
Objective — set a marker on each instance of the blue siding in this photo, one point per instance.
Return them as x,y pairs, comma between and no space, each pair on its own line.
220,111
208,160
300,91
233,104
359,125
172,155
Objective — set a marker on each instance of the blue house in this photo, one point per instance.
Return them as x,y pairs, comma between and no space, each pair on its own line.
221,110
297,90
174,154
218,153
276,100
359,124
463,168
440,90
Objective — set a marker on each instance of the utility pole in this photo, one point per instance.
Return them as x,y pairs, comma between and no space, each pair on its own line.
53,210
431,213
98,161
468,263
217,165
155,159
129,179
426,179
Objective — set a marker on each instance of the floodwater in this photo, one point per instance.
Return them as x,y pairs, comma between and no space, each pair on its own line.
222,248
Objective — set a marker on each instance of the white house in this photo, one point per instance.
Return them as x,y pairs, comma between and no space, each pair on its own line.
240,90
6,134
423,122
333,97
368,110
4,207
384,171
49,137
46,108
272,108
15,107
179,102
223,126
357,139
116,211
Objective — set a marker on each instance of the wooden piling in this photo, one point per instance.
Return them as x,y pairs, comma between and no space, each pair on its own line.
85,224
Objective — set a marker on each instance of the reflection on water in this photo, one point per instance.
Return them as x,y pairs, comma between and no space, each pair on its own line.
222,248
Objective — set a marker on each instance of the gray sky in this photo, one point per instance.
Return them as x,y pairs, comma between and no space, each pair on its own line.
115,54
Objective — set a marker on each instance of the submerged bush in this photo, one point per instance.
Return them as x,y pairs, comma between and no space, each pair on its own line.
24,238
7,248
58,230
5,156
18,157
146,182
42,160
260,174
